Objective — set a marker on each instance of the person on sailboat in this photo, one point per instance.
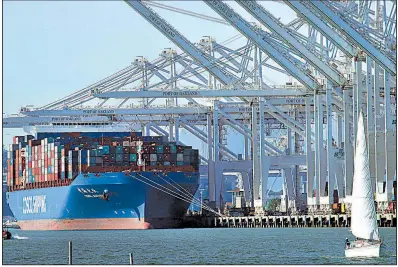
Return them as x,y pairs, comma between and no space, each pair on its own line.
347,243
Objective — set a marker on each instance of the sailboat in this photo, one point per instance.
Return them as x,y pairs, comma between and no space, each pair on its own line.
363,214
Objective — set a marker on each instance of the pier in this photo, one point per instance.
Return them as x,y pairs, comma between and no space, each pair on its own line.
331,220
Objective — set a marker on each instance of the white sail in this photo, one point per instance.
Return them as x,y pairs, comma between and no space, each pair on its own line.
363,214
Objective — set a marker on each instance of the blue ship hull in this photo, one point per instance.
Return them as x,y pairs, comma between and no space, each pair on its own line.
128,203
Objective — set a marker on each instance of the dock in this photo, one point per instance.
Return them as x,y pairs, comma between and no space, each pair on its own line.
331,220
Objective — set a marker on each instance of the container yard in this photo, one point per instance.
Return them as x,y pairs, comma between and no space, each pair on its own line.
337,59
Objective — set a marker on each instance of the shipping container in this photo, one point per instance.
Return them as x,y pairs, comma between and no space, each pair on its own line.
119,157
153,157
180,157
173,149
133,157
64,156
119,150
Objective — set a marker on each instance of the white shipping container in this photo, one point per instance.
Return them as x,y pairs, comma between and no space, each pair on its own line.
126,143
33,164
133,143
45,177
180,157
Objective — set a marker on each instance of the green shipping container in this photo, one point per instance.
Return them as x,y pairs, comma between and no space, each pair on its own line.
133,157
159,149
173,149
119,150
180,163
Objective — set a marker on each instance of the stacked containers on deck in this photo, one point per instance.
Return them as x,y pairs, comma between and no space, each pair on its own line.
73,167
59,156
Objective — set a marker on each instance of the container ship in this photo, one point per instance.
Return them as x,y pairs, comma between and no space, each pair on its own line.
90,181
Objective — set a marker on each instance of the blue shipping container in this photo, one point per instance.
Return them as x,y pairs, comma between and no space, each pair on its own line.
119,157
106,150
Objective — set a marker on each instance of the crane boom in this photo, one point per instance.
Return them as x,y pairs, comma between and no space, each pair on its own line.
98,112
177,38
354,36
321,26
202,94
261,39
275,26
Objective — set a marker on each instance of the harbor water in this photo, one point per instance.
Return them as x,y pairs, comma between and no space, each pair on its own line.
191,246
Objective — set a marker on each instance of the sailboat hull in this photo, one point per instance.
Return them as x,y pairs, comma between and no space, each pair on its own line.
364,250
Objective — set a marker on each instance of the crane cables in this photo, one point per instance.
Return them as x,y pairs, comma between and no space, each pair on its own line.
187,198
189,13
188,194
171,192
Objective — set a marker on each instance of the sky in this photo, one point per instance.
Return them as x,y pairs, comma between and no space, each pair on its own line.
54,48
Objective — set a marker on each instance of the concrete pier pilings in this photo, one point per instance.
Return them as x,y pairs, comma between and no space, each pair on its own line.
331,220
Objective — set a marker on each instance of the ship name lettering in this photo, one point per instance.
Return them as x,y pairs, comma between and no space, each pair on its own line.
34,204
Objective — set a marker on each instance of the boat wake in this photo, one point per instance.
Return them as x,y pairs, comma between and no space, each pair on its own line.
19,237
